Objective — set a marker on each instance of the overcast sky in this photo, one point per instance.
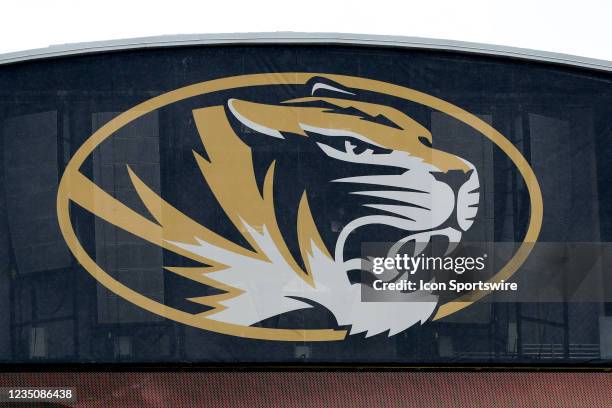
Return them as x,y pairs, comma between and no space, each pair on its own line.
574,27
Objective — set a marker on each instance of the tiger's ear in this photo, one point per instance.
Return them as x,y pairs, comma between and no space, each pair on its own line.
320,86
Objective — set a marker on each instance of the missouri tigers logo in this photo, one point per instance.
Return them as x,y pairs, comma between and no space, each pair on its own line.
303,179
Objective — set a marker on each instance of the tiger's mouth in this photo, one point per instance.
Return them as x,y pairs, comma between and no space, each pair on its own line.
408,220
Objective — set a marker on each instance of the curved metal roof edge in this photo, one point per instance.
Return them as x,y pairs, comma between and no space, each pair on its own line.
166,41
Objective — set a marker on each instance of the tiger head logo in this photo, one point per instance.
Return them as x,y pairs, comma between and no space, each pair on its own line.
362,165
384,156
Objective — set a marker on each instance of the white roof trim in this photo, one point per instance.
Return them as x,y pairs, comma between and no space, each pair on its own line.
302,38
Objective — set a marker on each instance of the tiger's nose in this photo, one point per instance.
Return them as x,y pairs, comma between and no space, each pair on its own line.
453,178
465,185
